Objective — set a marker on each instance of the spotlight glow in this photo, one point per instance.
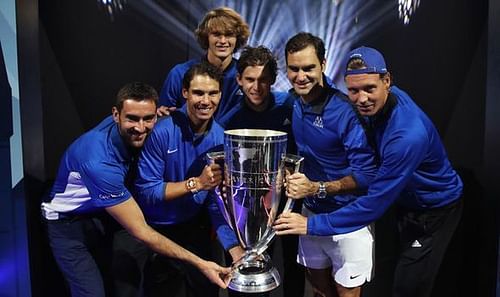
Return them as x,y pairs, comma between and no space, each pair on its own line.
341,24
112,6
406,8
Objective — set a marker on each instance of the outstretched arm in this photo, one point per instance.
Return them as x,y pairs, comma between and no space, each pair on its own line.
130,216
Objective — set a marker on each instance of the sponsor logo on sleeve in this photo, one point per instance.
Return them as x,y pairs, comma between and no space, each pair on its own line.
106,196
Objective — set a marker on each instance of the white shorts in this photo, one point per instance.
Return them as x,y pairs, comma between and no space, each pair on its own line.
350,255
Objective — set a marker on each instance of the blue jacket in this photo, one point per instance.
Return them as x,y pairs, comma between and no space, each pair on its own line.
172,153
171,92
414,169
332,141
92,173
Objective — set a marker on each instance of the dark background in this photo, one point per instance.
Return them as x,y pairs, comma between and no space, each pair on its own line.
73,57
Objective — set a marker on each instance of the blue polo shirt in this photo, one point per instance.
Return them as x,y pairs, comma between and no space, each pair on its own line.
173,153
91,175
171,92
332,141
414,169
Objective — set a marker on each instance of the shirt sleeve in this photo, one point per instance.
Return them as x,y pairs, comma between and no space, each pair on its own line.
225,233
401,157
105,183
149,184
360,154
171,91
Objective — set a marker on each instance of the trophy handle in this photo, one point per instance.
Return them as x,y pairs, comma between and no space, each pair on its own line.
291,161
218,157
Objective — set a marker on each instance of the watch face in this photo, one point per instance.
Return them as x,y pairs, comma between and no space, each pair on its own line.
191,183
322,191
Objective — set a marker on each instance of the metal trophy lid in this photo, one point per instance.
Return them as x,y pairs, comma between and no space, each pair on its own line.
255,133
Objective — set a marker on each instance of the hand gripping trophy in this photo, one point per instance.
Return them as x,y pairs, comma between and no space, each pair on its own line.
254,163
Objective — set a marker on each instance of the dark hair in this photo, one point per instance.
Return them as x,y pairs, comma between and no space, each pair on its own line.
136,91
203,68
358,63
224,20
302,40
257,56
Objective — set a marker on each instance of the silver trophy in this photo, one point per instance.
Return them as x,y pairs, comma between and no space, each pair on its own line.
254,163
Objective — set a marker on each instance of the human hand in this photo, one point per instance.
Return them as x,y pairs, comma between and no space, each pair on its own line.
218,275
164,110
210,177
299,186
290,223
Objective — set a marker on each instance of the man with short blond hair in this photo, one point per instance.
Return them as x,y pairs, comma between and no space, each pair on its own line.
221,32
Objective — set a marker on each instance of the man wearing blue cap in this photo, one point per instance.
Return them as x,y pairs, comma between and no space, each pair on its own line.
337,162
414,172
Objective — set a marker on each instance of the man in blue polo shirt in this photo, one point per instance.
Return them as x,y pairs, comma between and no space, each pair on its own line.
91,182
262,109
221,32
337,162
174,186
414,172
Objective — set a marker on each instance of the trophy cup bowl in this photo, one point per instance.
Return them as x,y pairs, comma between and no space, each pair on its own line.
254,163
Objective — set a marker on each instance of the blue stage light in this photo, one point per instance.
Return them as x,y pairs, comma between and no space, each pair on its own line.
341,24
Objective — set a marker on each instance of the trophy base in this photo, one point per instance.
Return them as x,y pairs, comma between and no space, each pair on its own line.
255,276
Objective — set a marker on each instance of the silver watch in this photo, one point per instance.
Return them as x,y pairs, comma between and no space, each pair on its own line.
321,194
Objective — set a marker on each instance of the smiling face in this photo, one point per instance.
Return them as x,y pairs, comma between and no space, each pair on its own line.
221,45
368,92
135,120
202,99
305,72
256,81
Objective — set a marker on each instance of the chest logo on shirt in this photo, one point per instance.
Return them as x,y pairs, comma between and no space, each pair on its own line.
171,151
286,122
318,122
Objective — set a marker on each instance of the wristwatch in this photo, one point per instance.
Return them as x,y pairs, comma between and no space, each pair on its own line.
321,194
191,185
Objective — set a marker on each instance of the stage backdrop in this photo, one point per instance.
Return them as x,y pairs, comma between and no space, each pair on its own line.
14,268
75,57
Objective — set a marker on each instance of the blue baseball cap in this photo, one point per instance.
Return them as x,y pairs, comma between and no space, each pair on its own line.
372,58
